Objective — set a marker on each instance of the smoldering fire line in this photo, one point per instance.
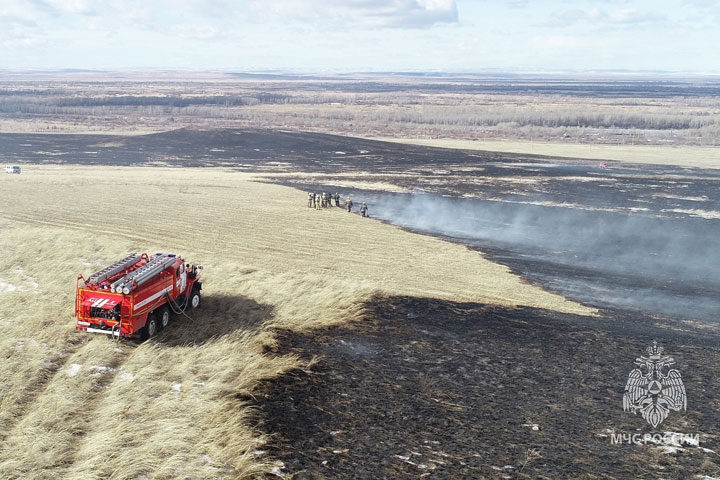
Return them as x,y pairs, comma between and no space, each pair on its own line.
661,265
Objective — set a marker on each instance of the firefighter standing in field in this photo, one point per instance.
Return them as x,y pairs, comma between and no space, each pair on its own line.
337,199
311,200
317,201
363,209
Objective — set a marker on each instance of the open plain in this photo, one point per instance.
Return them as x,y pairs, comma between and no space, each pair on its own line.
518,277
328,345
78,406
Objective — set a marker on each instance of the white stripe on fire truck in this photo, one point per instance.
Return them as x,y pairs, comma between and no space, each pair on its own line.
151,298
98,330
98,303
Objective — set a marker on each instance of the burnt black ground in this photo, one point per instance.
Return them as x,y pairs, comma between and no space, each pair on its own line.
270,150
451,390
250,149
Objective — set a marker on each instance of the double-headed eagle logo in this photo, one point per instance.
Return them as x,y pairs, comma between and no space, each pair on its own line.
654,393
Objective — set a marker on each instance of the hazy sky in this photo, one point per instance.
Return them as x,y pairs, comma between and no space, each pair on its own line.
362,35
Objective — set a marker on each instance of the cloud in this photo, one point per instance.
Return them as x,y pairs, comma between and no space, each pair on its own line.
78,7
704,4
61,7
556,41
206,20
517,3
18,32
631,16
358,14
19,24
601,17
415,13
356,34
7,20
196,32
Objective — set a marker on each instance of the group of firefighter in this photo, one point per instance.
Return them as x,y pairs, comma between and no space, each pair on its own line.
324,200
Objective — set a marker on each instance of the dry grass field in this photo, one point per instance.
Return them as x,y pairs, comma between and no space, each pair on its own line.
78,406
685,156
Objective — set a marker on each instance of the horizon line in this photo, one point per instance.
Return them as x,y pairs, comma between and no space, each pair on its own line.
414,72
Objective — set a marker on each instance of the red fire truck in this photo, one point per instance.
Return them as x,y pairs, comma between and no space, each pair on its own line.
135,296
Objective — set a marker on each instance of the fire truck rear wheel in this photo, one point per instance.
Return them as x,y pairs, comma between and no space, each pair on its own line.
195,299
164,315
151,326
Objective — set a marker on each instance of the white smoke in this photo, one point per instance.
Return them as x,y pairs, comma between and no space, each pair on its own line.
661,265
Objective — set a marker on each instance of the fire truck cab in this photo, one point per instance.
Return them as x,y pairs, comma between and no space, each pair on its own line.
136,295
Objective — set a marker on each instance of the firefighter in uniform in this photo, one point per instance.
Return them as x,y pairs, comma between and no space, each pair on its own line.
363,209
337,199
311,200
317,201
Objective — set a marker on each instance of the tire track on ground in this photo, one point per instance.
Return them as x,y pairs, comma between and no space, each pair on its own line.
37,412
42,386
31,395
96,400
61,223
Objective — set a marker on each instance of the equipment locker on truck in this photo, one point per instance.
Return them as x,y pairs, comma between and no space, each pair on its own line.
134,296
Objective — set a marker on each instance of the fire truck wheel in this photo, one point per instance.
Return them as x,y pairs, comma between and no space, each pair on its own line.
195,299
164,315
151,326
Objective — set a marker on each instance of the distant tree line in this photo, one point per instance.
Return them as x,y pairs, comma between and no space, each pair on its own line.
398,112
552,116
23,104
